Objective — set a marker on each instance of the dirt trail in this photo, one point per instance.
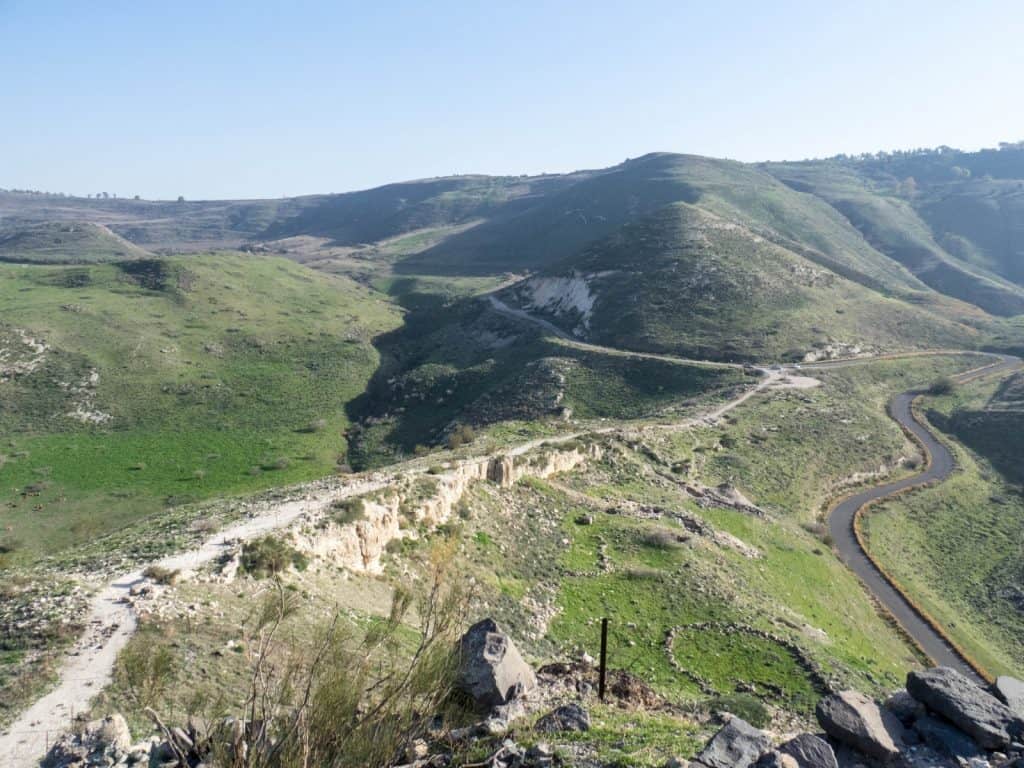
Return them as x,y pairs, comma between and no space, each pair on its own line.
88,666
90,663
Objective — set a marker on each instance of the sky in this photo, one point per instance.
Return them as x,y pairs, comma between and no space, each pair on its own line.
231,98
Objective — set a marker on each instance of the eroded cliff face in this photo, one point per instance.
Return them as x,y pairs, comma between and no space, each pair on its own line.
422,499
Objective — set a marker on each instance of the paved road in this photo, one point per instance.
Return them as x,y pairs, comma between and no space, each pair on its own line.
841,524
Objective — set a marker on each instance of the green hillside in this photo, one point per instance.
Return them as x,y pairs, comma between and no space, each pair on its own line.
960,237
126,389
687,281
558,225
65,243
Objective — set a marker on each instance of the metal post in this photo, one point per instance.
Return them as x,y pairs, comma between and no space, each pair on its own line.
604,659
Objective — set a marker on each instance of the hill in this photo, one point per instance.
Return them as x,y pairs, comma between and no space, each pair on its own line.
129,389
66,243
688,281
960,235
559,224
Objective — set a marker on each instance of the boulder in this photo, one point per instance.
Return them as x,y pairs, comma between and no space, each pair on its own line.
905,707
810,751
979,714
569,717
1011,691
946,739
776,759
491,670
854,719
737,745
112,731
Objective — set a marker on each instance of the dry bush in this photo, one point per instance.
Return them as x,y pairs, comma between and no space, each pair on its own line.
347,700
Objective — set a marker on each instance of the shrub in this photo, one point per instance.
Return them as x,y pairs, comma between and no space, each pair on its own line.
942,386
161,575
145,671
462,434
268,556
345,696
346,511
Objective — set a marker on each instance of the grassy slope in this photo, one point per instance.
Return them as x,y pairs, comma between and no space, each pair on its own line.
686,281
204,384
560,223
957,547
889,222
65,243
466,363
793,449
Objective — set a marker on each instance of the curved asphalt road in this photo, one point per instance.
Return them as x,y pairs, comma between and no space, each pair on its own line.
841,524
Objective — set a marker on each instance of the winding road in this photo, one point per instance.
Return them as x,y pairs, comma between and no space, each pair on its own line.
844,515
89,665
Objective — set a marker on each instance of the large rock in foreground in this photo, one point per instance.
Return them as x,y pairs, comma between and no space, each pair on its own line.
856,720
490,667
977,713
737,745
810,751
1011,691
946,739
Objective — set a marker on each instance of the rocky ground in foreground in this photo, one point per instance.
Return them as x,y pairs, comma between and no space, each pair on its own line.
541,718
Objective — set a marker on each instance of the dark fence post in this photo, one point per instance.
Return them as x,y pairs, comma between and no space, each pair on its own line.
604,659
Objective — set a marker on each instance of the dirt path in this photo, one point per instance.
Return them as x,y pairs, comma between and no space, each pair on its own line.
88,666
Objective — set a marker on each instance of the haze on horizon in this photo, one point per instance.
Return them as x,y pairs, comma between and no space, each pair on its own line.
263,99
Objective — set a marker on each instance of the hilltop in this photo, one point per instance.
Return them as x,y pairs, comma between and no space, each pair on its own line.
66,243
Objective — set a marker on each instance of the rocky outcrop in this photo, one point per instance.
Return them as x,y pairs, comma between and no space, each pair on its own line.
96,742
491,670
905,707
987,720
737,745
810,751
853,719
946,739
400,510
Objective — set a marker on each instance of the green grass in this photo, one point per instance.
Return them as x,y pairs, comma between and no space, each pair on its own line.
211,370
791,449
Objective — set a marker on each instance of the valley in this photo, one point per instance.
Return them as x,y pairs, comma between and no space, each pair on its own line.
657,392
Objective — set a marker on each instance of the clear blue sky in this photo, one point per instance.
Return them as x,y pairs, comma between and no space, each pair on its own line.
259,99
